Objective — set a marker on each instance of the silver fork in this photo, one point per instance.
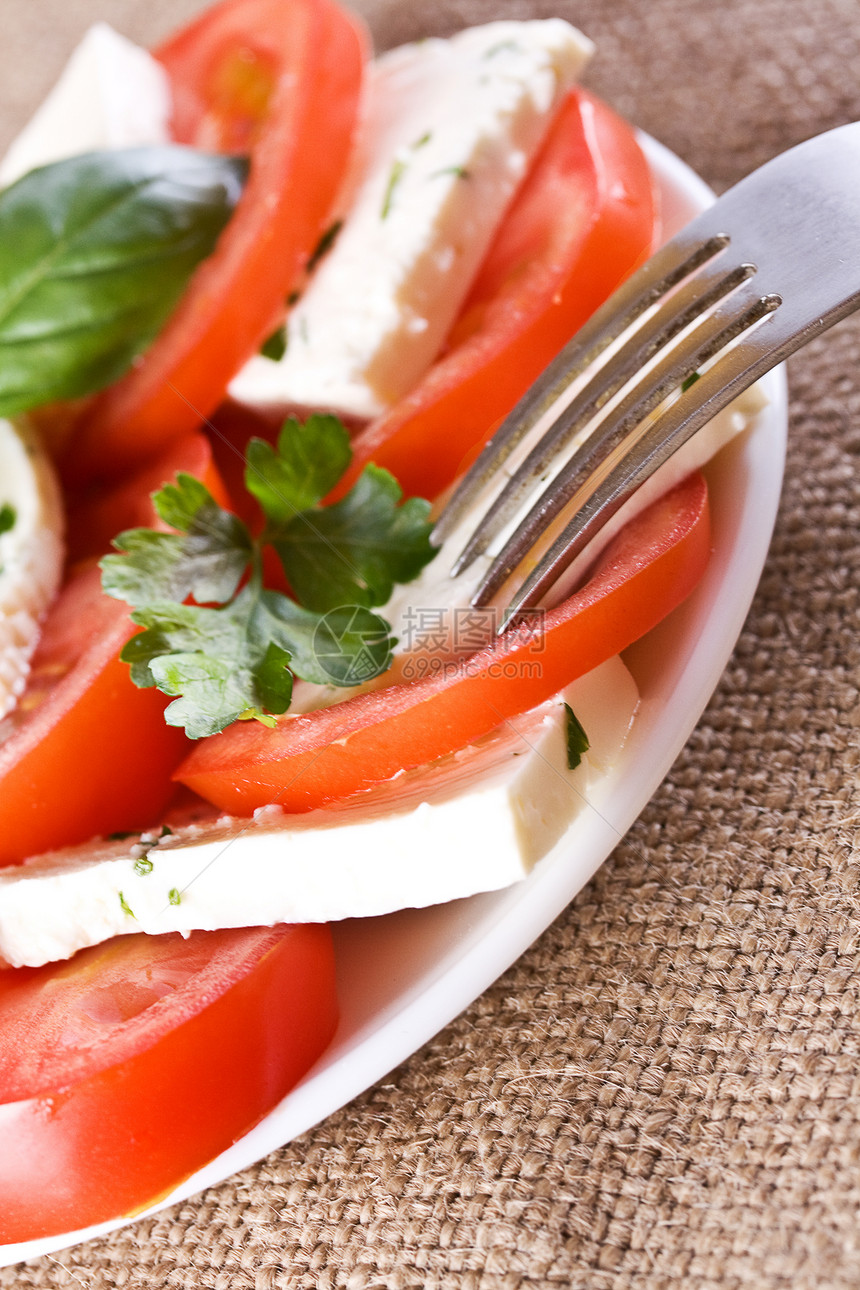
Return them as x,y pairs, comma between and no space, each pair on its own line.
773,263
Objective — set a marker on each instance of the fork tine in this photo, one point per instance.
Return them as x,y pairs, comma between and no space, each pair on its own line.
685,307
614,466
664,271
632,465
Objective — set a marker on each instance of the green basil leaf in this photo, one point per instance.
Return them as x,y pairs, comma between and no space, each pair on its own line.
95,252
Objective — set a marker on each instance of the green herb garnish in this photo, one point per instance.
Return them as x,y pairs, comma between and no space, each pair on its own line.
577,739
461,172
275,344
124,905
215,637
95,252
174,896
324,245
398,169
8,518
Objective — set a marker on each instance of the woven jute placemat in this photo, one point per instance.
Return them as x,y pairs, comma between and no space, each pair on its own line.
665,1090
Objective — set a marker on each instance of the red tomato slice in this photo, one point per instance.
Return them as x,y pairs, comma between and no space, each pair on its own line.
312,759
283,79
583,220
125,1069
86,752
97,514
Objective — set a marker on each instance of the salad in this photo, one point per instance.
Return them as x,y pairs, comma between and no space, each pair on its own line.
160,1051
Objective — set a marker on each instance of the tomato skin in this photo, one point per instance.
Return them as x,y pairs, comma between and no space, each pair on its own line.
310,56
583,220
174,1080
97,514
309,760
81,720
92,729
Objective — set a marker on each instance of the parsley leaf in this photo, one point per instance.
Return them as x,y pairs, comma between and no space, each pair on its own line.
219,662
354,551
8,518
344,646
217,641
306,464
206,559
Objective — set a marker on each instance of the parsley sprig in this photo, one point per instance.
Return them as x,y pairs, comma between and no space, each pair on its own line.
218,640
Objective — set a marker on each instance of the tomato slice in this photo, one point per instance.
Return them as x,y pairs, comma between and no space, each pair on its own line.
583,220
281,78
98,513
125,1069
86,752
319,757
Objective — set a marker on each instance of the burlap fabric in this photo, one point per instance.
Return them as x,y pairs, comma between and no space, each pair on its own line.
665,1091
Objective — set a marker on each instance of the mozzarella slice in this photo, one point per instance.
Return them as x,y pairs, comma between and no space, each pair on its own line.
111,94
451,128
476,821
31,553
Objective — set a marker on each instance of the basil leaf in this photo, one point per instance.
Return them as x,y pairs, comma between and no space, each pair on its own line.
95,252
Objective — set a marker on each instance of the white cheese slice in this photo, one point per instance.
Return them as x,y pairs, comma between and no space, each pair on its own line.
451,128
111,94
476,821
31,553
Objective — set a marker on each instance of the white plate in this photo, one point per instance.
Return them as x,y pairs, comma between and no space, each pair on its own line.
405,976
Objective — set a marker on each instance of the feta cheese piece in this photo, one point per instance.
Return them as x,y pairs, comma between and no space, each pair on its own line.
111,94
451,128
476,821
31,553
